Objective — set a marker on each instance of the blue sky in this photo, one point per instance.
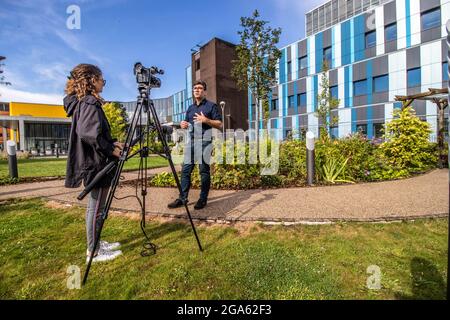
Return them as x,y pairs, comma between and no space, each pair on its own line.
114,34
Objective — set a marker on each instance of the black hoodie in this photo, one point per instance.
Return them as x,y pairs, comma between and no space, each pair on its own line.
90,143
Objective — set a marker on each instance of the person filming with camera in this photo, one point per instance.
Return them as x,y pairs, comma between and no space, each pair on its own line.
202,115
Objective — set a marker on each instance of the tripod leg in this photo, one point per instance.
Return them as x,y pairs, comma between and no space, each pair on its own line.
96,244
149,247
177,180
115,181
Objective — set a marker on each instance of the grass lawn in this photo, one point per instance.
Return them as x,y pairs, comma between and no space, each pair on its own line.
29,168
40,242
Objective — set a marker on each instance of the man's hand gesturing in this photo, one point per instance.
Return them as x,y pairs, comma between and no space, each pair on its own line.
200,118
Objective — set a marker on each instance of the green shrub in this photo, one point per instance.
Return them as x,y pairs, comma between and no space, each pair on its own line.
407,145
351,159
292,168
274,181
359,151
237,175
163,179
334,170
7,180
365,160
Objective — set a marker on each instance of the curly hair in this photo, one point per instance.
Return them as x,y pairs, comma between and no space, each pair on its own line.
81,81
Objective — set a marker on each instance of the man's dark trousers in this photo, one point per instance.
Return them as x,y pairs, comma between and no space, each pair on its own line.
190,158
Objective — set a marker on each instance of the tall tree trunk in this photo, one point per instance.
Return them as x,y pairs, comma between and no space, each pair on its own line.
257,128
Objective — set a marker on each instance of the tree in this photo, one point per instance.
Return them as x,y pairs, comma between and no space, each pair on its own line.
117,118
2,78
326,104
256,64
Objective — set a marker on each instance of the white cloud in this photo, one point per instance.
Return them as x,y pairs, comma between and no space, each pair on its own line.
11,95
55,73
74,42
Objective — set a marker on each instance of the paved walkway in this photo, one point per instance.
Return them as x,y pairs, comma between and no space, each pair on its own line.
423,196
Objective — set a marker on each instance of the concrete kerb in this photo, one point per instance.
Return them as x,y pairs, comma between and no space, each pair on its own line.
167,217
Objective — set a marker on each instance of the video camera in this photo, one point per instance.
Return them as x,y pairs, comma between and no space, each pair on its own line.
145,76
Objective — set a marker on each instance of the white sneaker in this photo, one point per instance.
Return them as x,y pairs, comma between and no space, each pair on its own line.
104,256
109,246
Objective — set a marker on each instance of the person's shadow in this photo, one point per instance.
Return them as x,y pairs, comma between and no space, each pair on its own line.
427,282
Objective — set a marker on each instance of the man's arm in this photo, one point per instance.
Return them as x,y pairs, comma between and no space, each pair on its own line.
200,117
216,118
214,123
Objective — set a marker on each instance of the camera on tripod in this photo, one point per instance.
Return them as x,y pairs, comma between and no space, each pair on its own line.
145,76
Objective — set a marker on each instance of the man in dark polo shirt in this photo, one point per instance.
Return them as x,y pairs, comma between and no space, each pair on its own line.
201,117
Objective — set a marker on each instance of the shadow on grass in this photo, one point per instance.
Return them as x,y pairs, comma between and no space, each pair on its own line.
427,282
156,232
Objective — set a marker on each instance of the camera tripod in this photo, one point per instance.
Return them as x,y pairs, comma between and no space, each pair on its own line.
146,80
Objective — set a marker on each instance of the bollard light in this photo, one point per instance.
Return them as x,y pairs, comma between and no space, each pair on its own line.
310,157
310,140
12,159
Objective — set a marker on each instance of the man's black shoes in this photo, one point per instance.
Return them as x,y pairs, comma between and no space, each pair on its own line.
179,203
176,204
200,204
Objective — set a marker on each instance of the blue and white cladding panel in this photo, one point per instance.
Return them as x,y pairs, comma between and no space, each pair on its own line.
367,71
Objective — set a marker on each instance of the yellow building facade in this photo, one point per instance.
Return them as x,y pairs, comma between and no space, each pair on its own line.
38,128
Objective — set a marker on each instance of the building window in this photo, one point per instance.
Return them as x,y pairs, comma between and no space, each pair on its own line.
431,19
381,84
360,87
414,78
301,99
445,71
334,92
290,101
197,64
378,130
327,56
334,132
274,104
289,67
4,106
391,32
371,39
288,134
42,138
361,128
446,128
303,62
